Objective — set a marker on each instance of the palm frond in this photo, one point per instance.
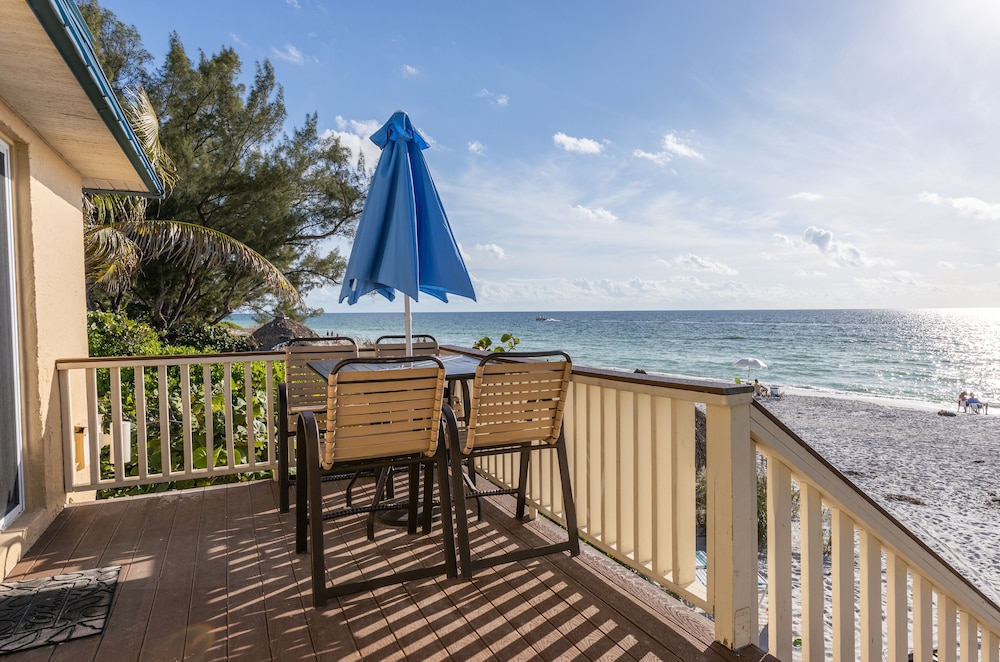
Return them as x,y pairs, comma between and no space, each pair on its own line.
112,258
197,246
144,120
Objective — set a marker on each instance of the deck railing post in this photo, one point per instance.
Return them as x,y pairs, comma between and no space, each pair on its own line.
732,522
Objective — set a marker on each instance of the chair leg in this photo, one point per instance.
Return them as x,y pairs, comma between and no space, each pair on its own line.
569,506
522,482
428,514
448,438
461,516
411,502
306,435
384,474
309,475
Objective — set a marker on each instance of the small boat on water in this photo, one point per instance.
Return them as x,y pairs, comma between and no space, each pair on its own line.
541,318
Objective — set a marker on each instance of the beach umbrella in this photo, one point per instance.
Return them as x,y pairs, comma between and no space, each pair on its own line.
404,241
750,363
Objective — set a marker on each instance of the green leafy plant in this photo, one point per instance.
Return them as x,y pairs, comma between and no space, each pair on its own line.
507,343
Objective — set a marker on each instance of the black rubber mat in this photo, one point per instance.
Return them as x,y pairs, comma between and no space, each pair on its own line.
50,610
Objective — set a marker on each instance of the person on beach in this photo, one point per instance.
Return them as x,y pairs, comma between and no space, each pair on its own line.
759,390
962,399
976,404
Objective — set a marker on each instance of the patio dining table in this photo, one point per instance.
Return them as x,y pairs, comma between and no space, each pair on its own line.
457,367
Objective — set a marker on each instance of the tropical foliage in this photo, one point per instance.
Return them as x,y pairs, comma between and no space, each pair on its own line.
251,205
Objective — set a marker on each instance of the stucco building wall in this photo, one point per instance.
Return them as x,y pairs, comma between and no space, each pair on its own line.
51,316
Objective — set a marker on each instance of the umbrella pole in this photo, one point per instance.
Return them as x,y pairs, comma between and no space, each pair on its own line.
407,325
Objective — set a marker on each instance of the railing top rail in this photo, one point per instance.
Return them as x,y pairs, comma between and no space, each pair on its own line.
692,384
811,465
169,359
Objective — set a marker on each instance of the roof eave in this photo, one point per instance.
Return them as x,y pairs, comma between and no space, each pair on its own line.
66,28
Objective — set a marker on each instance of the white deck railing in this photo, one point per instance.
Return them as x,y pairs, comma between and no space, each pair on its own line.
860,587
189,418
873,592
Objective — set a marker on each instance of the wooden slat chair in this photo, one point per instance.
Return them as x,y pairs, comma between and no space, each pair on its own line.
304,390
517,405
396,345
380,413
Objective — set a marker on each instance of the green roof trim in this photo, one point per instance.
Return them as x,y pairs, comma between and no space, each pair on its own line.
65,25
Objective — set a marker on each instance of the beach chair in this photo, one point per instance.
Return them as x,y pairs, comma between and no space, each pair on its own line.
380,413
516,407
776,392
303,390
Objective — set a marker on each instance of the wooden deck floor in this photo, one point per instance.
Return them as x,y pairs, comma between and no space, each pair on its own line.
212,574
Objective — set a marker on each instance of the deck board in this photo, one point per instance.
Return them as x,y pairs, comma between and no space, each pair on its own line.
212,574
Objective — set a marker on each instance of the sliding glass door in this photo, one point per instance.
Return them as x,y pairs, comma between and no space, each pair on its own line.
11,477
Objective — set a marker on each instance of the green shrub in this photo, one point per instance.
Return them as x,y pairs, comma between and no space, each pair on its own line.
113,334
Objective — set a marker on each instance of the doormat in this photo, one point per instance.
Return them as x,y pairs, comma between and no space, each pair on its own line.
50,610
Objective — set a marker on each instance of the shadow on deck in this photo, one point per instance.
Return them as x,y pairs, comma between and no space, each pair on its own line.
212,574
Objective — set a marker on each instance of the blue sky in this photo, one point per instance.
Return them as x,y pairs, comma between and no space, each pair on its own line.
662,155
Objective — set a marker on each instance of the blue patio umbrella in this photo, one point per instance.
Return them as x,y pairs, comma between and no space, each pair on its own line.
404,241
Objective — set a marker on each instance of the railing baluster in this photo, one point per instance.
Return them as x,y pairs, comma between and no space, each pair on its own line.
897,608
645,500
594,470
662,505
842,568
968,632
186,430
227,402
991,646
141,415
251,457
626,495
93,427
115,429
947,636
166,462
609,467
206,389
682,499
923,618
779,558
870,564
811,535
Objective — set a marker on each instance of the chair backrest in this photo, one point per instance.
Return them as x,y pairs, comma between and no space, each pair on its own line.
305,387
382,408
396,345
515,400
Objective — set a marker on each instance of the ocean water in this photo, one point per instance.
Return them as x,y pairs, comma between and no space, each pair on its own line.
926,356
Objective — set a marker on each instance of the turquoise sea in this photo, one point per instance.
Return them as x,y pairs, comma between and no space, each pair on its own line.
919,355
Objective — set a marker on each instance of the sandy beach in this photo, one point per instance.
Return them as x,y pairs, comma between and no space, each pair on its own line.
937,474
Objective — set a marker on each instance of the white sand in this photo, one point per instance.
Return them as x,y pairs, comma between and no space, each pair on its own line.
938,475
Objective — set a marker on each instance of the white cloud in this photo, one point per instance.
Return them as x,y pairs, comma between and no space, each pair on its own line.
599,215
235,38
491,250
409,70
293,3
477,147
837,252
805,195
696,263
945,265
672,146
965,206
578,145
659,158
495,99
355,135
289,54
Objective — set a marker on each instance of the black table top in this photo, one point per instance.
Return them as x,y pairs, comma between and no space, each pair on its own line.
456,366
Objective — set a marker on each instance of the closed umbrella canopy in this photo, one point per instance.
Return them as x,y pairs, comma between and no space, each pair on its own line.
404,241
749,363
